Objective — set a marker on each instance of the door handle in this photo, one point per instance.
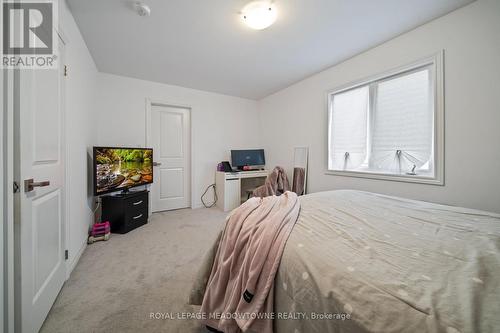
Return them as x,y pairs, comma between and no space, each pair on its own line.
156,163
29,184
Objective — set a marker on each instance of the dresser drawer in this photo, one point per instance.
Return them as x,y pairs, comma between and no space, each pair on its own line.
134,215
136,206
136,201
126,212
136,212
133,221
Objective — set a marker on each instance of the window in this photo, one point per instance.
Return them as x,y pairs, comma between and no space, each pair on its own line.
389,127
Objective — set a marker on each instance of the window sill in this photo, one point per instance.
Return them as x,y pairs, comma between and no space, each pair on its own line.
397,178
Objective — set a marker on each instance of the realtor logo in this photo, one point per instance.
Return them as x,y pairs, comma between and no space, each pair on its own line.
29,38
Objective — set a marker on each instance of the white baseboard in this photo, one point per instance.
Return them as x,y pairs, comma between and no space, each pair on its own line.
197,205
71,265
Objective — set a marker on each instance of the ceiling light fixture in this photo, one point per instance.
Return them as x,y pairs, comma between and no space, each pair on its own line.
142,9
259,15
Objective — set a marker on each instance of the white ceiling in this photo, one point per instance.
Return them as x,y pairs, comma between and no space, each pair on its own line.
202,44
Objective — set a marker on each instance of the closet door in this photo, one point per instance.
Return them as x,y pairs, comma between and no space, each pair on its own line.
40,220
170,136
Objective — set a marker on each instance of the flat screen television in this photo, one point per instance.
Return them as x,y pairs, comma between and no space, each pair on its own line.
119,169
248,157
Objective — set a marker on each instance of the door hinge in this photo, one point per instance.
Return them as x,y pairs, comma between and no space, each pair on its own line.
66,254
16,187
65,70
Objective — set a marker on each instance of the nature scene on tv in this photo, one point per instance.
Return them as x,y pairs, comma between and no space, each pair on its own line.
118,169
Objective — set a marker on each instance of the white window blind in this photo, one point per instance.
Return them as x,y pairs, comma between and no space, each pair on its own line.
390,127
348,127
402,123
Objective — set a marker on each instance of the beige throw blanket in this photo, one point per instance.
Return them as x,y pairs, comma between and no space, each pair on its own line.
241,284
276,183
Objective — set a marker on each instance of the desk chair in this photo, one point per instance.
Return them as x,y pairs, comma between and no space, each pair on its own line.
276,184
299,181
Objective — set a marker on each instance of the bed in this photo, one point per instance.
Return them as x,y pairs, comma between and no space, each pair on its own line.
364,262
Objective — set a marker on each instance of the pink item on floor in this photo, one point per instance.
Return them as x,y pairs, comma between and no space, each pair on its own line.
100,231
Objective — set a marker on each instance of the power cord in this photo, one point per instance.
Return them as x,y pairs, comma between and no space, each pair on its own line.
98,202
209,205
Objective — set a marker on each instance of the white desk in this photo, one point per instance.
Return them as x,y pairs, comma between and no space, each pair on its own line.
228,185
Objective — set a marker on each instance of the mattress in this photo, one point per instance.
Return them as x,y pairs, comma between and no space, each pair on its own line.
363,262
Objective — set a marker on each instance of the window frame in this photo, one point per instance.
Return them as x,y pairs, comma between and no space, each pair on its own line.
435,62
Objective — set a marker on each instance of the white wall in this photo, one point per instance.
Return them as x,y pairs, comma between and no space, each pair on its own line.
219,123
81,132
297,115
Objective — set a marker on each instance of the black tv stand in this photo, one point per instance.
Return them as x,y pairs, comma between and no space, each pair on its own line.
125,211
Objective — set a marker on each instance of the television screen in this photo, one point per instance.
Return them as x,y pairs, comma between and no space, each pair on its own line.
118,169
252,157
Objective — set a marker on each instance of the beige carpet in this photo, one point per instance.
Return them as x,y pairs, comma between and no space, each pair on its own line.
117,284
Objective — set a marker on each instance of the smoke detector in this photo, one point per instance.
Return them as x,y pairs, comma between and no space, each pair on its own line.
142,9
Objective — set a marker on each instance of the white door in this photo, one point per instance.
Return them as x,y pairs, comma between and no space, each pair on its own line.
170,138
39,221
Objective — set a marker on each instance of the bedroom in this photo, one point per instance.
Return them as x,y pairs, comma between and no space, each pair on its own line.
314,87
